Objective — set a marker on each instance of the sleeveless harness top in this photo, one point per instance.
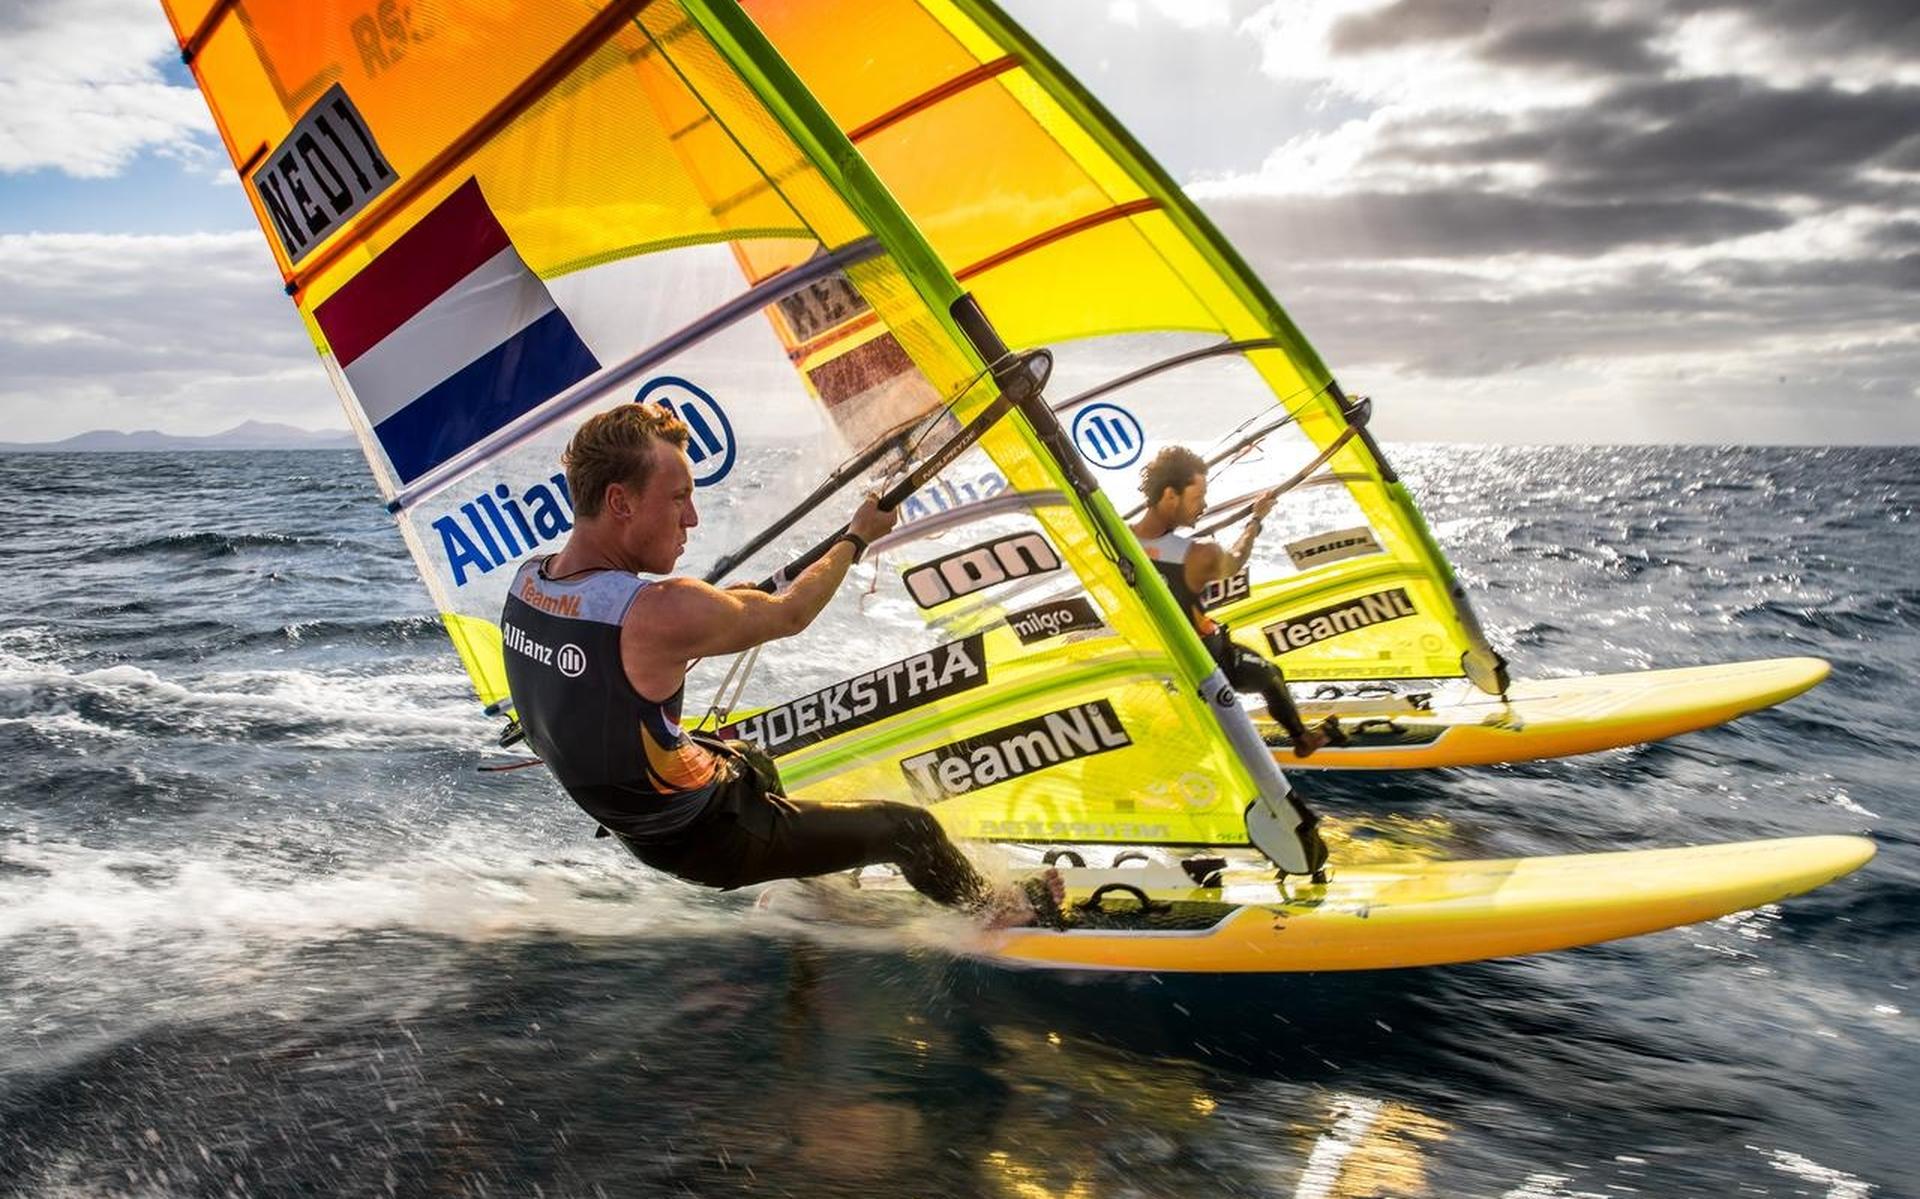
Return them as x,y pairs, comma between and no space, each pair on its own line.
1169,555
621,756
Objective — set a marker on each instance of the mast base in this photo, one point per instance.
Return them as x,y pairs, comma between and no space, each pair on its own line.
1285,830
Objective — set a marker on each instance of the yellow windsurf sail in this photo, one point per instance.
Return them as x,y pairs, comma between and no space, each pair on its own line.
1069,232
498,218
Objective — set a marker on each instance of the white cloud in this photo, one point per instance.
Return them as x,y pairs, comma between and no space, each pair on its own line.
1302,41
1713,42
81,89
186,333
1187,14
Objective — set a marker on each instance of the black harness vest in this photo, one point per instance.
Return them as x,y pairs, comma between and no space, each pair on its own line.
622,757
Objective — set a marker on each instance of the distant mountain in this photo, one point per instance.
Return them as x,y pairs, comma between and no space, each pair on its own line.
249,435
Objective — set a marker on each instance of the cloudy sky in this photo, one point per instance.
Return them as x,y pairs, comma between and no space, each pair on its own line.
1618,220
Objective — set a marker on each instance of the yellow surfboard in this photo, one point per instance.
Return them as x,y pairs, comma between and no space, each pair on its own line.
1460,725
1389,916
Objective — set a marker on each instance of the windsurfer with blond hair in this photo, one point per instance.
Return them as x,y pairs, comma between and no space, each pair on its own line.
597,659
1175,485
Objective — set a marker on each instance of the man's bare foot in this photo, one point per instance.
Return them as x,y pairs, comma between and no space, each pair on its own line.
1037,901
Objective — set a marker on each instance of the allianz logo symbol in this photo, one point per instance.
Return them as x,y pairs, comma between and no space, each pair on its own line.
943,495
1108,436
711,447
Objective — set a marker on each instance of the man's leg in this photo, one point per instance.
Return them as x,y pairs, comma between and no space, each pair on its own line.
752,835
1249,672
805,840
815,839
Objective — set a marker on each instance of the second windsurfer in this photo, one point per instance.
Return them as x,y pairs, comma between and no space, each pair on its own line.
1175,484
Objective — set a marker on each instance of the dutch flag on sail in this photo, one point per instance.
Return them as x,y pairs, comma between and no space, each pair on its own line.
447,336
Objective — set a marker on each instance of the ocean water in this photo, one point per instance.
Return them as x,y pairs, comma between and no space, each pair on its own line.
265,931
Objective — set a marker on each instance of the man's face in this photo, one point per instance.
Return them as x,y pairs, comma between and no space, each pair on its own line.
1185,506
655,519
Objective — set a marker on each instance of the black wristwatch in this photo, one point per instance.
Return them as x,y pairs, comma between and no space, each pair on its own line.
853,539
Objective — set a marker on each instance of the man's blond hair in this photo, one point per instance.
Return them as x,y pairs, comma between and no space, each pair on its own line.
617,447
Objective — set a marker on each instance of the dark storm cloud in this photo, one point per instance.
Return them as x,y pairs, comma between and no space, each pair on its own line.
1410,21
1453,327
1465,223
1721,135
1508,34
1441,322
1731,135
1609,245
1822,27
1581,45
1898,234
1894,273
1905,156
1502,28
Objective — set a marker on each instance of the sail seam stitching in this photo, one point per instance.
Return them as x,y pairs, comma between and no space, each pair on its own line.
1000,258
933,96
197,40
1060,232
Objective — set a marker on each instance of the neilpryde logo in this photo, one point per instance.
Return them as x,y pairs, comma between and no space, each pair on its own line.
710,447
1108,436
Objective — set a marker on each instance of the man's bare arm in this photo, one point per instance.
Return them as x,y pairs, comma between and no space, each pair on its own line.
678,620
1206,561
686,618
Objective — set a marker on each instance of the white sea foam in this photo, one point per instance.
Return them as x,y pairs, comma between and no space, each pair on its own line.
331,709
1840,799
1838,1183
58,726
1549,1186
468,886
